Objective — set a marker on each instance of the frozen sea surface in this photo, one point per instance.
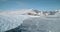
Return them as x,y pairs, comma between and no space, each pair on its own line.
24,23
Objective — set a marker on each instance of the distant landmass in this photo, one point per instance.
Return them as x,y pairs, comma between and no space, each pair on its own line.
33,12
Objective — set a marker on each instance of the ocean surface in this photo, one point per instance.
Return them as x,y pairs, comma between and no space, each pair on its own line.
24,23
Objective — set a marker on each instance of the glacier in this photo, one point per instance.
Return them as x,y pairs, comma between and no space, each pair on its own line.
38,24
29,23
18,21
8,22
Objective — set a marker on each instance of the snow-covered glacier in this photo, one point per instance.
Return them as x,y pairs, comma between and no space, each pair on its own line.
18,21
26,23
8,22
39,24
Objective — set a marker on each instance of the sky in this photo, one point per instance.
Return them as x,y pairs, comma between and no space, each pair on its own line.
10,5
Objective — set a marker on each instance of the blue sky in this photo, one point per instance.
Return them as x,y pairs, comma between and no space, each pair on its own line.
28,4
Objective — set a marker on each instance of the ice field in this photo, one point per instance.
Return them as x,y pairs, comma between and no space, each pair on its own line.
32,24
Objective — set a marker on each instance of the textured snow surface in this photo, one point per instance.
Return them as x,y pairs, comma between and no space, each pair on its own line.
8,22
39,24
25,23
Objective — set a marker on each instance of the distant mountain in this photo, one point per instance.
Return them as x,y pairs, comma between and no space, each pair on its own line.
30,12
